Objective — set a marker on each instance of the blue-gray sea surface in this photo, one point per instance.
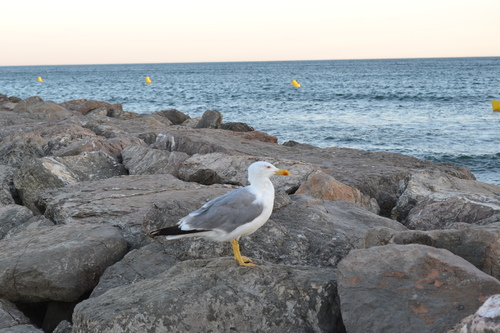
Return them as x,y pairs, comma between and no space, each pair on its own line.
435,109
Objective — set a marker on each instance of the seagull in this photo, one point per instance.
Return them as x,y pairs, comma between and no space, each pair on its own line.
235,214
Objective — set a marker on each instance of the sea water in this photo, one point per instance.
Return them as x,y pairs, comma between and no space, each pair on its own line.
434,109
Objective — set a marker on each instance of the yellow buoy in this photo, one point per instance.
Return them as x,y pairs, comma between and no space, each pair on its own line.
496,105
295,83
148,80
40,79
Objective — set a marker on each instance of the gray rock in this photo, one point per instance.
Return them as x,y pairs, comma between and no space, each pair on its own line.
436,211
485,320
7,190
218,296
54,172
18,148
140,126
26,140
476,244
143,160
449,195
10,315
137,265
32,223
36,108
101,112
409,288
38,175
58,263
63,327
210,119
115,110
94,165
84,106
236,127
176,117
12,216
21,329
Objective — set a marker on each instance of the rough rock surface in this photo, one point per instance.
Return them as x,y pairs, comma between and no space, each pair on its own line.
10,315
57,263
478,244
140,160
12,216
114,176
431,199
7,189
485,320
435,212
54,172
176,117
409,288
210,119
321,185
194,297
21,329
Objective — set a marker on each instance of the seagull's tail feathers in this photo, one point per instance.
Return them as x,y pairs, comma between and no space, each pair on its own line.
175,232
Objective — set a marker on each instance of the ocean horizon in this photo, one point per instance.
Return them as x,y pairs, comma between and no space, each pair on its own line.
436,109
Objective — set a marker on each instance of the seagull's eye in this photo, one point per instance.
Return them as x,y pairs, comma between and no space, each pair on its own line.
268,167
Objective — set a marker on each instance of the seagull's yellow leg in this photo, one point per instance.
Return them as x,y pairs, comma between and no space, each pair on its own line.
242,260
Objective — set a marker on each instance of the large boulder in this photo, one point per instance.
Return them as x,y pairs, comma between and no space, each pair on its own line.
437,212
409,288
19,148
36,108
144,127
479,245
144,160
223,298
430,199
323,186
176,117
84,106
58,263
137,265
12,216
46,173
210,119
26,140
10,315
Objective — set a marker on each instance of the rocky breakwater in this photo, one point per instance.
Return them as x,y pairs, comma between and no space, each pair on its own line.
357,242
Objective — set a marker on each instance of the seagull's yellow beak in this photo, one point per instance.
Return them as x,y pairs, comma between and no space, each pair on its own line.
282,172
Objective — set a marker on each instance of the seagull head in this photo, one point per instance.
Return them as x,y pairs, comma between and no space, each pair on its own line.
262,170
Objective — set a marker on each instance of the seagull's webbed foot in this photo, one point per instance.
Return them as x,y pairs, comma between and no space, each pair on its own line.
242,260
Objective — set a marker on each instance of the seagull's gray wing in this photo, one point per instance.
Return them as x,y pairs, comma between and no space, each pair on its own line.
225,213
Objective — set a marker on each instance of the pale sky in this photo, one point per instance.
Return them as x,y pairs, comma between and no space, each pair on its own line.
58,32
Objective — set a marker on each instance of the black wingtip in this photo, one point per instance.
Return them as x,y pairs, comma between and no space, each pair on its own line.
173,231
